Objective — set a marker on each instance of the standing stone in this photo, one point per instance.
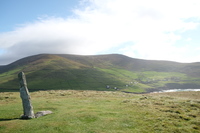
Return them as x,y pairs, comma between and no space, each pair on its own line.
25,96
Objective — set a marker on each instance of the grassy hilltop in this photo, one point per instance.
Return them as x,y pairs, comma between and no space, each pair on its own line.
103,112
75,72
74,88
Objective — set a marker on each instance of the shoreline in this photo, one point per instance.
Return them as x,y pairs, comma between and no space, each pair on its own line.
162,91
175,90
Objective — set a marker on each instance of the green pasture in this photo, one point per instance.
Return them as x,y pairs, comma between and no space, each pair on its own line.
103,112
57,78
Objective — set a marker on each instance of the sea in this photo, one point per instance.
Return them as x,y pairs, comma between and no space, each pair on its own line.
177,90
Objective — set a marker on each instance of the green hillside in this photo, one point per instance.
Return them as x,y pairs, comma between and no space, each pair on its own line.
100,72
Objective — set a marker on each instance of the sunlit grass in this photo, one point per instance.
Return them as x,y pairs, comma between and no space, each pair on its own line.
100,111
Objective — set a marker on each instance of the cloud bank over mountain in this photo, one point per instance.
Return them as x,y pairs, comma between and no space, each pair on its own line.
160,30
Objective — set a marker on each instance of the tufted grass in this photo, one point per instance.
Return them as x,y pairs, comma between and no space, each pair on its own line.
103,112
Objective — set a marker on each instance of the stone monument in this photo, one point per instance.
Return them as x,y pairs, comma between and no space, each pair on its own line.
26,99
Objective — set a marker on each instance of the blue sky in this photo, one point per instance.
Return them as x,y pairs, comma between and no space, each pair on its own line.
17,12
145,29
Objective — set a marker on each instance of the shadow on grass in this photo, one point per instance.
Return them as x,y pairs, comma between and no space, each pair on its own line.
9,119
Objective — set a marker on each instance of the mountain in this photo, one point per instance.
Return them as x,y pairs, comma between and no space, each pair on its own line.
99,72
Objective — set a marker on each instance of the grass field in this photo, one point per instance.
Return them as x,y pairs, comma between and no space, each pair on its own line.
103,112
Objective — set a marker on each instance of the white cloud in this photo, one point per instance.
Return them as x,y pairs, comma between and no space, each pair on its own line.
189,39
152,29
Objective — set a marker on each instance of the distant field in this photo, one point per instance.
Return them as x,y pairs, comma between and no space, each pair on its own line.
103,112
98,79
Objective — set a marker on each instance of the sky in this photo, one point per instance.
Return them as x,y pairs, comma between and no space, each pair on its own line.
144,29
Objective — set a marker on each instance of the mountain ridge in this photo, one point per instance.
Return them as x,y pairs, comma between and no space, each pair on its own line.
95,72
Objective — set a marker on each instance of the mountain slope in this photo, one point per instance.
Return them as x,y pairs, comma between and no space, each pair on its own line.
100,72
